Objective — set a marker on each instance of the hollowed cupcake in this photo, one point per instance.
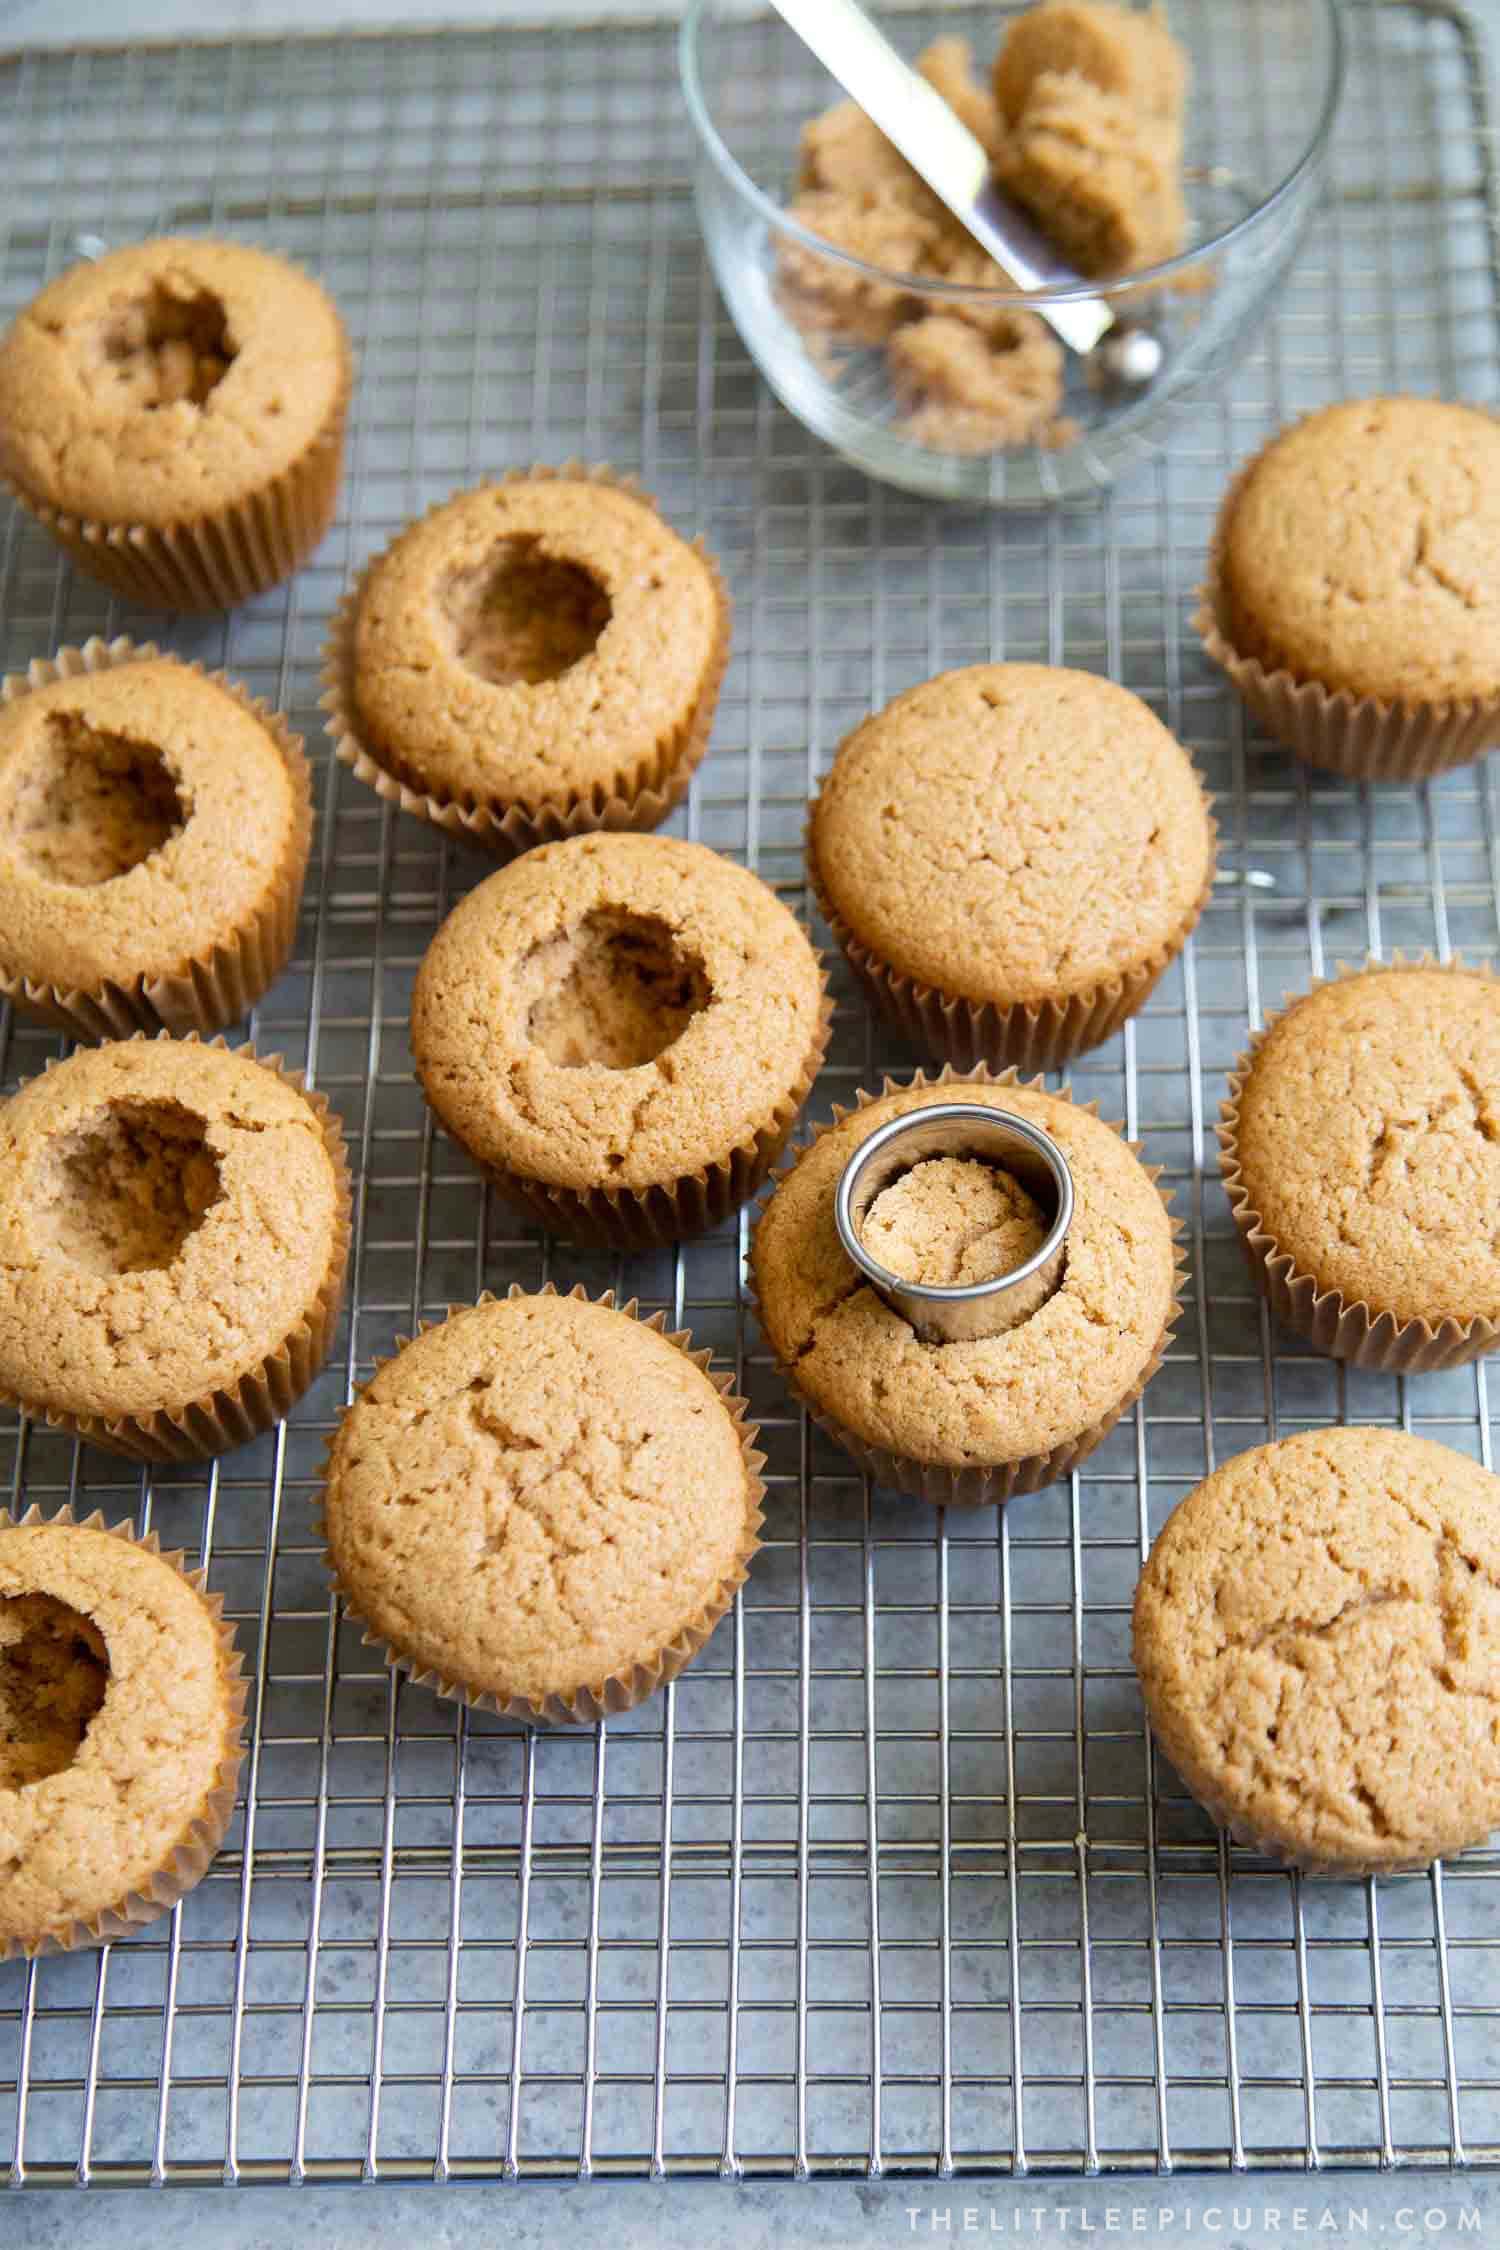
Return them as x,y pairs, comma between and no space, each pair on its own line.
530,661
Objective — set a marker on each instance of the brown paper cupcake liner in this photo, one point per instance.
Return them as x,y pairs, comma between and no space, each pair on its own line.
640,796
939,1483
1360,737
211,562
202,992
672,1210
222,1419
1343,1328
602,1698
188,1861
1030,1035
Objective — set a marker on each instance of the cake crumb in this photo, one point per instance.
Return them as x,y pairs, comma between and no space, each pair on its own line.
952,1220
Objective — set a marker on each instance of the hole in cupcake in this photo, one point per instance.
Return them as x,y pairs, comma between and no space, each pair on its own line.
127,1189
90,805
522,616
951,1220
169,344
617,989
54,1669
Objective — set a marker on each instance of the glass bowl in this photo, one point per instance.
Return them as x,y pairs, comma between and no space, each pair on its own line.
1264,93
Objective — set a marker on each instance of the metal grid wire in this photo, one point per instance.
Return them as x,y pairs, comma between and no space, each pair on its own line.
890,1879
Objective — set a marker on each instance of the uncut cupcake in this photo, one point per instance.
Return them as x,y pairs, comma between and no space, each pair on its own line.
1353,592
1010,855
174,1228
121,1719
173,414
543,1505
972,1423
621,1031
154,830
1317,1632
1360,1142
531,660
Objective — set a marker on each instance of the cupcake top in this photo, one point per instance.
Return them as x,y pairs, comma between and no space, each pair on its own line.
1126,52
169,1213
1368,1140
534,642
1361,549
1002,1398
1317,1633
147,814
615,1011
538,1496
1014,833
952,1220
168,380
119,1719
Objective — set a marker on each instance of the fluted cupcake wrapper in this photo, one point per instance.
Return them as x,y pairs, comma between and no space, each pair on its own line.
188,1860
640,795
603,1698
671,1210
1360,737
1029,1035
1345,1328
942,1484
209,563
223,1418
203,992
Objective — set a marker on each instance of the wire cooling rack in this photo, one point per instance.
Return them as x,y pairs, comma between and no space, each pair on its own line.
890,1879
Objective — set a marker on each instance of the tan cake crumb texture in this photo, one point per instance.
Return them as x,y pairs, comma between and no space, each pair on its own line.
1361,550
1001,1399
952,1220
1084,128
1317,1632
539,642
150,818
168,380
538,1498
1014,834
170,1214
617,1013
120,1712
1366,1137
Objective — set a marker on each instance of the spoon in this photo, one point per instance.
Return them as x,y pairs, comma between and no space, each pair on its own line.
939,146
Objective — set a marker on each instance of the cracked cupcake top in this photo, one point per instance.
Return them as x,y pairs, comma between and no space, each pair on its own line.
168,1216
536,1496
1368,1140
1362,549
1317,1633
615,1011
1014,833
168,380
1001,1398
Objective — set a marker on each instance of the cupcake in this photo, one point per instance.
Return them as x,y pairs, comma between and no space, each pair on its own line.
1353,591
174,1227
121,1712
968,1423
531,660
1010,855
1317,1633
173,414
154,829
1361,1149
543,1506
620,1030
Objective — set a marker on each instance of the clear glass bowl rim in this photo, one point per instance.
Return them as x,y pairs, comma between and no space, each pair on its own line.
927,285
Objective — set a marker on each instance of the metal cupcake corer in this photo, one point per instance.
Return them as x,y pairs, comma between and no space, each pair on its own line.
965,1311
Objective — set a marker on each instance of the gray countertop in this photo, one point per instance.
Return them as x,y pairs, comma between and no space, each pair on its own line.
1240,2211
